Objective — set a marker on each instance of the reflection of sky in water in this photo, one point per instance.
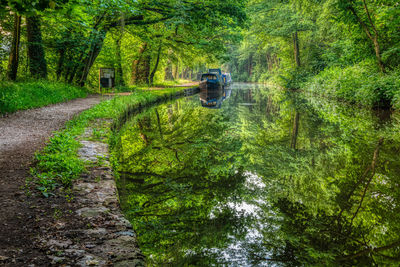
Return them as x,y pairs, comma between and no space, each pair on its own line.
237,253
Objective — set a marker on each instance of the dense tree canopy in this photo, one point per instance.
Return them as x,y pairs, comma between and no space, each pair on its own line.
295,41
65,38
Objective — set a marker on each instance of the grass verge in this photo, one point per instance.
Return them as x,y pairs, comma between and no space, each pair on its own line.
58,164
25,95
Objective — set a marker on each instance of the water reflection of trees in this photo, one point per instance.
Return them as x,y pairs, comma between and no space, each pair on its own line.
178,174
334,193
331,176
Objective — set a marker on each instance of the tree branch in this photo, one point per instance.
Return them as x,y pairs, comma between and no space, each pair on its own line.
362,24
373,165
369,18
369,250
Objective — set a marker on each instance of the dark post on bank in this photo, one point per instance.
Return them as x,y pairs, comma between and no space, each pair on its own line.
106,78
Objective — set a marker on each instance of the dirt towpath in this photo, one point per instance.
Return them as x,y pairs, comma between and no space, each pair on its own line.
21,134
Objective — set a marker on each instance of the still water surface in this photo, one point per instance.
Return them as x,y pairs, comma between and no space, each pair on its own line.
265,178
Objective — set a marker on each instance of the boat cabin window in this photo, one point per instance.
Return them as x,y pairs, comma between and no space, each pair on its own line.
208,77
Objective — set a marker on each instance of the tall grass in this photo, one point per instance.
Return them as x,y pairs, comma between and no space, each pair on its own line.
25,95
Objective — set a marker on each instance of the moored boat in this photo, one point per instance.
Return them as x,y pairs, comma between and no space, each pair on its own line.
211,81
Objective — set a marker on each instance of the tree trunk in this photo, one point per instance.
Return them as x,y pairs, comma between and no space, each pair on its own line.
155,66
62,50
378,55
176,72
295,132
37,60
296,49
250,67
94,51
159,125
60,63
14,54
119,71
169,76
74,66
141,66
371,33
136,62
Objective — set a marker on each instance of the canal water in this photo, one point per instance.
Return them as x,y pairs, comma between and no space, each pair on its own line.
262,178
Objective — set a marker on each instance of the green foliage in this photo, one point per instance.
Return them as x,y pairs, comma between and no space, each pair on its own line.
57,163
26,95
351,42
29,7
360,83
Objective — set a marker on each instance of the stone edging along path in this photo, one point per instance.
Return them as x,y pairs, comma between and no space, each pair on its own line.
110,239
82,226
25,216
105,238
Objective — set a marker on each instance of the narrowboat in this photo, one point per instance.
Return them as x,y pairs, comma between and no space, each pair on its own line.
218,71
211,81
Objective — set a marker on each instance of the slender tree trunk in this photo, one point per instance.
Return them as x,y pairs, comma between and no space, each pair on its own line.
250,69
371,31
37,60
14,55
159,125
120,74
62,50
169,76
60,63
94,51
74,67
119,71
141,130
176,72
296,49
151,79
379,60
295,130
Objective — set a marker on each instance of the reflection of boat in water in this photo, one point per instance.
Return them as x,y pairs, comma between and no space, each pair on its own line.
211,90
213,98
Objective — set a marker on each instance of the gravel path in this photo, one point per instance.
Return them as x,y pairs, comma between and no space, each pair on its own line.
21,134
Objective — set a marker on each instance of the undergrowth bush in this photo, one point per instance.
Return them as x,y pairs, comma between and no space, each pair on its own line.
58,163
25,95
361,83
